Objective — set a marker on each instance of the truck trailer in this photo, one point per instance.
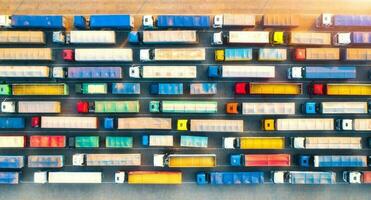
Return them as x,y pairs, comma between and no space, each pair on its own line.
31,107
341,89
164,37
173,54
106,160
42,54
177,21
150,177
12,141
11,162
206,107
47,141
88,72
203,88
45,161
281,20
12,123
327,20
268,88
102,55
119,142
299,124
24,71
211,125
68,177
241,37
272,54
184,160
107,106
268,108
234,54
261,160
344,107
44,89
234,20
69,122
145,123
358,54
254,143
241,71
304,177
229,178
37,22
9,178
316,54
85,37
22,37
166,88
193,141
178,72
126,88
310,38
327,142
322,72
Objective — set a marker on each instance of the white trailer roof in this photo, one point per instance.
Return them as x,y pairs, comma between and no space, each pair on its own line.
169,72
310,38
180,54
344,107
170,36
69,122
26,37
248,71
12,141
75,177
296,124
144,123
104,54
238,20
268,108
216,125
25,54
362,124
93,37
161,140
39,106
333,143
24,71
113,159
253,37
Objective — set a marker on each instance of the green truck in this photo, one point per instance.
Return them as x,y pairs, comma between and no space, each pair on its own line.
119,142
184,106
86,142
5,89
108,107
91,88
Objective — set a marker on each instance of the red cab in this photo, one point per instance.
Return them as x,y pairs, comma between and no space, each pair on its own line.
318,89
240,88
35,122
68,55
300,54
82,107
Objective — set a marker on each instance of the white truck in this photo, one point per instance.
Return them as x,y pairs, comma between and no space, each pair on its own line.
166,37
24,72
268,108
216,125
67,177
173,54
305,124
104,54
241,37
158,140
234,20
163,72
353,124
243,71
26,54
327,142
31,107
144,123
85,37
69,122
22,37
106,159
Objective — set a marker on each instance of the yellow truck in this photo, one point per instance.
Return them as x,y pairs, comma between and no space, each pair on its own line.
184,160
40,89
150,177
348,89
275,88
358,54
254,142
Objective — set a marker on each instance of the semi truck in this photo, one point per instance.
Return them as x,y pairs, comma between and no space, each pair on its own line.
83,142
173,54
158,140
299,124
45,161
358,54
12,123
145,123
88,72
68,177
327,142
91,88
67,122
341,89
36,22
206,107
272,54
149,177
322,72
107,106
234,20
316,54
241,71
281,20
357,177
47,141
181,72
42,54
203,88
310,38
101,55
327,20
85,37
106,159
31,107
177,22
233,54
261,160
254,142
121,22
12,141
268,88
119,142
166,88
241,37
210,125
193,141
333,161
229,178
344,107
352,38
9,178
24,71
164,37
267,108
184,160
353,124
11,162
44,89
304,177
125,88
22,37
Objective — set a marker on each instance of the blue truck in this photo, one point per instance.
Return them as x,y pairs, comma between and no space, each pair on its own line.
166,89
322,72
88,72
193,141
12,122
37,21
125,88
122,22
333,161
229,178
45,161
304,177
11,162
9,177
177,21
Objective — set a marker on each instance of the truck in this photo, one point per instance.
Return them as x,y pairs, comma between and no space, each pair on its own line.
106,159
42,54
44,89
84,37
261,160
22,37
241,71
126,88
327,142
91,88
241,37
119,142
206,107
233,54
150,177
12,141
281,20
24,71
122,22
344,107
268,88
45,161
266,108
31,107
67,177
299,124
254,142
182,72
234,20
5,89
177,21
341,89
66,122
47,141
229,178
358,54
202,88
145,123
357,177
166,88
173,54
322,72
272,54
353,124
88,72
164,37
158,140
12,123
37,22
310,38
107,106
211,125
84,142
11,162
327,20
184,160
193,141
101,55
9,177
352,38
316,54
304,177
333,161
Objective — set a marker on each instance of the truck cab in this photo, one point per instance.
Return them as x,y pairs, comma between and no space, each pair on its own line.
58,72
5,89
295,73
218,21
218,38
146,55
68,55
40,177
310,108
159,160
148,21
120,177
5,21
352,177
231,108
59,37
229,142
214,71
8,107
342,39
134,37
154,106
325,20
344,124
78,159
278,38
134,72
182,125
278,177
298,142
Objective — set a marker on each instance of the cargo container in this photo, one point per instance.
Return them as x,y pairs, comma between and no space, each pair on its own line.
42,54
88,72
270,54
106,159
12,122
119,142
5,89
47,141
341,89
158,140
358,54
261,160
184,160
12,141
354,177
254,142
178,21
22,37
104,55
304,177
173,54
84,141
327,142
164,37
11,162
32,89
268,108
202,88
229,178
241,37
233,54
123,22
193,141
85,37
152,177
69,122
322,72
166,89
241,71
37,21
182,72
234,20
343,21
206,107
281,20
125,88
144,123
45,161
107,106
24,71
335,108
68,177
269,88
336,161
352,38
91,88
313,54
299,124
39,107
309,38
9,177
212,125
